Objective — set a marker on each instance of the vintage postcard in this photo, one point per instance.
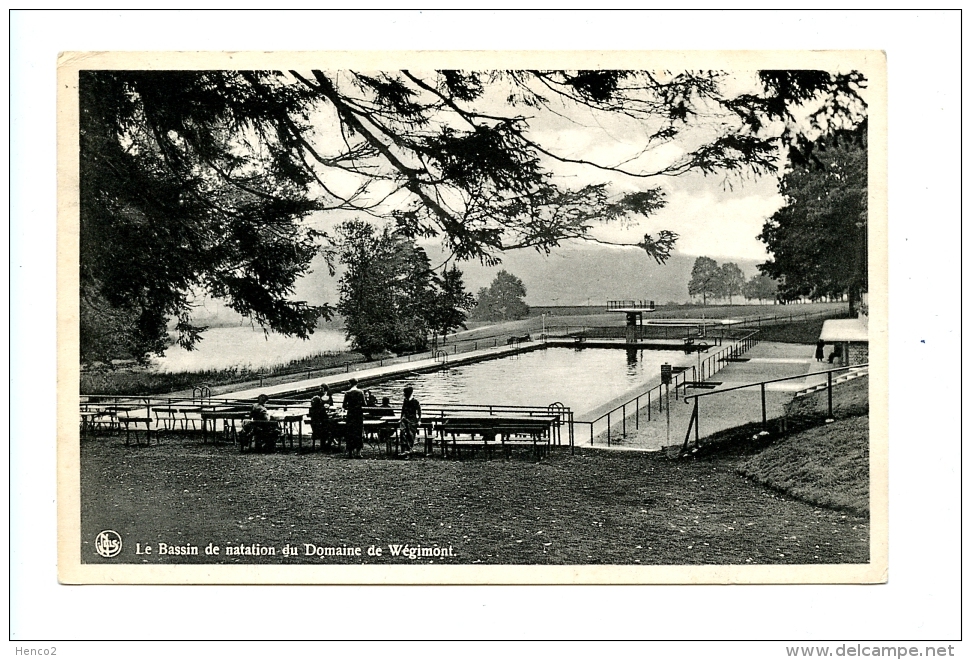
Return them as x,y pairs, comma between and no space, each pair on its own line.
472,317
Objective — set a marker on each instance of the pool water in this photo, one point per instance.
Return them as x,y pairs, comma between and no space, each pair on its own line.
580,379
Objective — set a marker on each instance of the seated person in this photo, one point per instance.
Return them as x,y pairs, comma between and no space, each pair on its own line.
384,410
837,354
320,418
264,435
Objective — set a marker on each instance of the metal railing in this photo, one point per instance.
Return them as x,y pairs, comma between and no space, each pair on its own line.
116,407
694,421
690,328
630,304
710,365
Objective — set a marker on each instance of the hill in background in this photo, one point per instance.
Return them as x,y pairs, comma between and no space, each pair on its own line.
570,275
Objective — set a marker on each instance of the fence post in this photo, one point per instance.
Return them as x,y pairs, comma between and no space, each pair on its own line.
762,387
637,413
591,433
829,392
697,421
649,405
608,429
624,421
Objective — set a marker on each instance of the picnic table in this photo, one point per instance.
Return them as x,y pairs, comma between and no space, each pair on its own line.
102,415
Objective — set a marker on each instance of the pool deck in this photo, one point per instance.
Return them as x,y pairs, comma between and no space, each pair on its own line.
377,374
765,361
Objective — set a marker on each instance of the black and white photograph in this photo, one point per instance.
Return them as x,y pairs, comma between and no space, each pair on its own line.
453,318
616,289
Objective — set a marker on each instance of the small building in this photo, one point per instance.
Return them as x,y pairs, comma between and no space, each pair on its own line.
850,339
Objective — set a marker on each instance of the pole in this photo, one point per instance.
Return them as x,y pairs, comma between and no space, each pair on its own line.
667,390
697,421
762,387
829,391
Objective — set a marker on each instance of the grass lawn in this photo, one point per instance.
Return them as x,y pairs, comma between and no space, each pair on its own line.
797,332
828,465
597,507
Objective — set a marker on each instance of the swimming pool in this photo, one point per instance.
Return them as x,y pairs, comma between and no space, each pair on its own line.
581,379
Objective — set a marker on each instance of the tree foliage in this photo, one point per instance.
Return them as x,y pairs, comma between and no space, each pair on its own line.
760,287
705,279
731,279
818,239
451,303
387,292
503,300
201,181
171,206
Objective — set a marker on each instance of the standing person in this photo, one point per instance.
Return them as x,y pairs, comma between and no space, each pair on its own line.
354,405
410,418
820,349
320,417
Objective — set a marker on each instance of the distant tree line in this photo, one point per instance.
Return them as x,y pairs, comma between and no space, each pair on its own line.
709,280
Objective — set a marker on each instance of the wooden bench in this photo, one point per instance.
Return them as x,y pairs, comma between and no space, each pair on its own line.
463,432
492,432
526,431
131,427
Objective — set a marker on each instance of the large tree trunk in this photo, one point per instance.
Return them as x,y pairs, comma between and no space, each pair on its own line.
854,298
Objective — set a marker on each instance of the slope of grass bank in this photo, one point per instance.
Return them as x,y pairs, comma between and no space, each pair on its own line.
827,465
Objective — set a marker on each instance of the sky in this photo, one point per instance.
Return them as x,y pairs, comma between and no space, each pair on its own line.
739,203
718,215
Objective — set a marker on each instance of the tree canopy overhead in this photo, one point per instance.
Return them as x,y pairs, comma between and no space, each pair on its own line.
203,181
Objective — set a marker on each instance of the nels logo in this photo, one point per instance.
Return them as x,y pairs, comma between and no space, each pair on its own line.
108,543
